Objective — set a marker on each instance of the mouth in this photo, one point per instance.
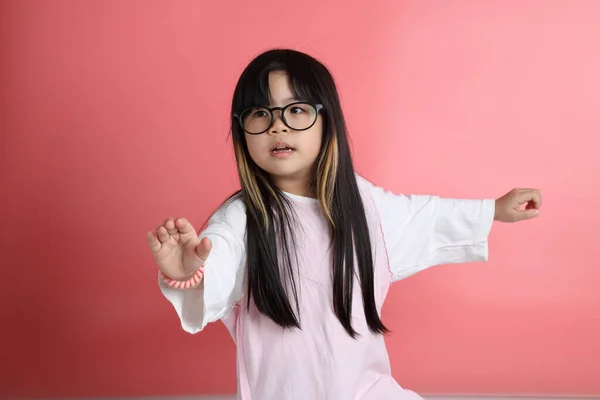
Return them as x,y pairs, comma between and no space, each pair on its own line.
282,148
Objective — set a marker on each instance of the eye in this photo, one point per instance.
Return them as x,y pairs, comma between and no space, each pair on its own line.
260,113
296,110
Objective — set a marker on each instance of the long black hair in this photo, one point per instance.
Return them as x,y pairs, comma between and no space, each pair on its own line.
270,280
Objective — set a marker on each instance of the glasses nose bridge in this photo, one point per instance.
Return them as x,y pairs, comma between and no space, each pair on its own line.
274,116
280,109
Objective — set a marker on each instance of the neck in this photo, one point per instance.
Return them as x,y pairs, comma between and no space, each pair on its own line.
298,186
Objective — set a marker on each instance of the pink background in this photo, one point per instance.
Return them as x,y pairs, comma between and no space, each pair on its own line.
114,117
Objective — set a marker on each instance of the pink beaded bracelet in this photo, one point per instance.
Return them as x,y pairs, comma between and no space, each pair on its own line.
193,281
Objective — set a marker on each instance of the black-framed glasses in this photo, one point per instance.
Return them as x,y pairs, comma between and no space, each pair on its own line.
298,116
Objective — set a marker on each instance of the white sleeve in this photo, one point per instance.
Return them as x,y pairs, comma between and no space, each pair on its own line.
421,231
223,284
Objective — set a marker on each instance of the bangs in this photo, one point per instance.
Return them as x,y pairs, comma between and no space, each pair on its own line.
254,84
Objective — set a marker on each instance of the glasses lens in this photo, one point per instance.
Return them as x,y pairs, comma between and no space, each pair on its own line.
256,120
300,116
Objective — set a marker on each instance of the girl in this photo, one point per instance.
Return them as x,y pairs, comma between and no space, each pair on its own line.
297,264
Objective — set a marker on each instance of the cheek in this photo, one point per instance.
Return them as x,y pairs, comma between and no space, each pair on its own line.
255,145
316,139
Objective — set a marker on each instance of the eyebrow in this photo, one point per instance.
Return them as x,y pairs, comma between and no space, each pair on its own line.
288,100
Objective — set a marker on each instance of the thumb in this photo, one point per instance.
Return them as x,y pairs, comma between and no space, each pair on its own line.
203,249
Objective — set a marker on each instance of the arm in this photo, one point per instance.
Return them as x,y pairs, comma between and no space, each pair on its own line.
422,231
222,286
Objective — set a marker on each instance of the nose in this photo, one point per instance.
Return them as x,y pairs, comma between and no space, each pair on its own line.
278,125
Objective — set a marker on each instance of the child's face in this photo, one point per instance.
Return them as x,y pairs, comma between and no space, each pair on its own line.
290,170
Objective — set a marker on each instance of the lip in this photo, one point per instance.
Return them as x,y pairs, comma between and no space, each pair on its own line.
282,154
281,144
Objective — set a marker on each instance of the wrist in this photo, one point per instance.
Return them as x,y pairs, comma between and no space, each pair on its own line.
188,283
496,210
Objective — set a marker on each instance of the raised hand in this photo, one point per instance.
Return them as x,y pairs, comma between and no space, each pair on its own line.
509,208
176,248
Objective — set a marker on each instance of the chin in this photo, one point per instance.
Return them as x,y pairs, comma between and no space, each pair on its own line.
286,172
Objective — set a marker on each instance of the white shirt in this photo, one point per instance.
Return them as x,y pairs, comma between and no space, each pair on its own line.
321,361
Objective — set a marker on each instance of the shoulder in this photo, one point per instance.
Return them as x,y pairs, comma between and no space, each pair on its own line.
368,189
364,185
230,216
388,202
370,195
